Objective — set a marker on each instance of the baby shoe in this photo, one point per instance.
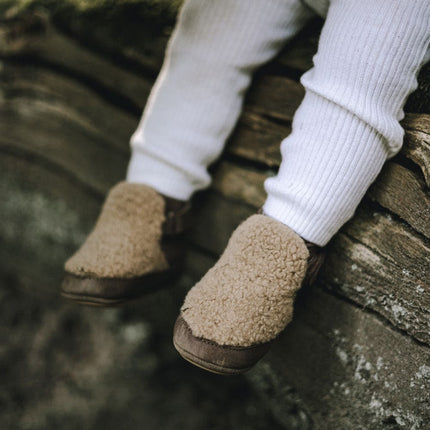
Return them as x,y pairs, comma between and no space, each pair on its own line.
135,247
231,316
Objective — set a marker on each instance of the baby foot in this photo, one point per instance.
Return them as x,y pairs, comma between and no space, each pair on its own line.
231,316
133,247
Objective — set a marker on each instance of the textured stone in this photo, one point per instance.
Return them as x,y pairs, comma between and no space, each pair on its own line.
71,89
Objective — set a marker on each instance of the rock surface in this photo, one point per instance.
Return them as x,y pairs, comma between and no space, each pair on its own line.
356,356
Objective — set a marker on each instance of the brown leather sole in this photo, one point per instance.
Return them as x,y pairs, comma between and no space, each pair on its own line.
113,291
215,358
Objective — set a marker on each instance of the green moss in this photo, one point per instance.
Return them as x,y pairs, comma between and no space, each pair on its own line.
94,5
125,14
112,27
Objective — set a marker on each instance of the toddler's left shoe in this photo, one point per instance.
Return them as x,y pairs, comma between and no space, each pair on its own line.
230,317
136,246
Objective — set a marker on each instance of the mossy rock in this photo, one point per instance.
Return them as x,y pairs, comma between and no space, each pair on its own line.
138,26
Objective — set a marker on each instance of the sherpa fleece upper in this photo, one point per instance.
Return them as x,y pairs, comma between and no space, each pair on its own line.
247,297
125,241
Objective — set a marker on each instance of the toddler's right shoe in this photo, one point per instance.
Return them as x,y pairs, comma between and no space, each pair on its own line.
232,315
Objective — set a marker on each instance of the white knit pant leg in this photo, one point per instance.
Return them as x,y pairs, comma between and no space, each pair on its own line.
348,123
197,98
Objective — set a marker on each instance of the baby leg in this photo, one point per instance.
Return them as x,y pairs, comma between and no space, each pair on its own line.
136,245
197,98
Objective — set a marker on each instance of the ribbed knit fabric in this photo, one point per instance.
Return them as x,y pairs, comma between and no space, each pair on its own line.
346,127
197,98
348,123
329,161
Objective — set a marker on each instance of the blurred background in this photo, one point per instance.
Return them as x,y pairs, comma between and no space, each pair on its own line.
74,77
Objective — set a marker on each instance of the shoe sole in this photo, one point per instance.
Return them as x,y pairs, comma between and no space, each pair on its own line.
94,301
108,292
206,365
215,358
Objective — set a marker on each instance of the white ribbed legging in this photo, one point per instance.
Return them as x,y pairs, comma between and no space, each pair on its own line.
347,125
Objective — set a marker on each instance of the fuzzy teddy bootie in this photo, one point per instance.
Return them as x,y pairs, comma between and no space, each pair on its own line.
245,300
134,247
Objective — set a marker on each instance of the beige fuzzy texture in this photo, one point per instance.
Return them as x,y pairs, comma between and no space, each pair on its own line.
247,297
125,241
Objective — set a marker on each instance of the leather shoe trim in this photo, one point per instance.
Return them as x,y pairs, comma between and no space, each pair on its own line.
210,356
178,216
315,261
111,291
